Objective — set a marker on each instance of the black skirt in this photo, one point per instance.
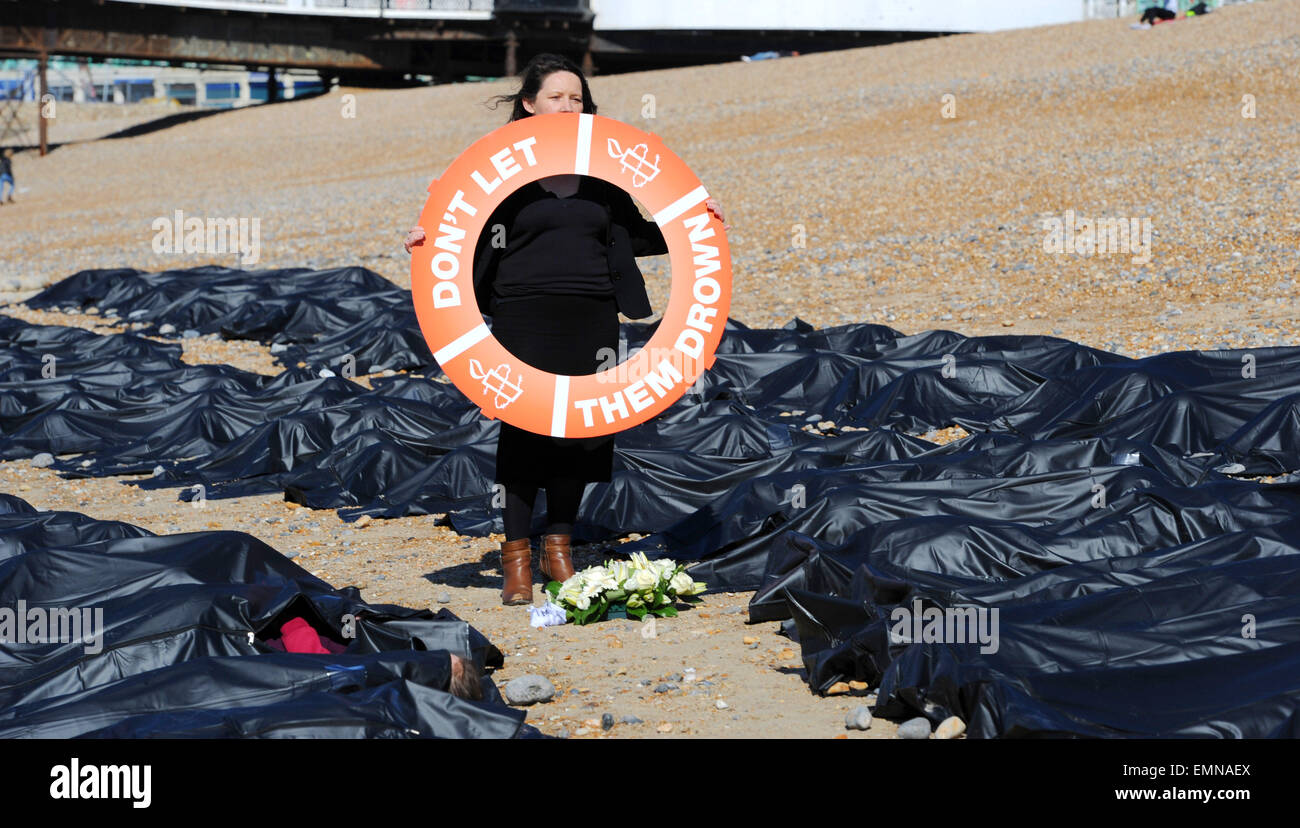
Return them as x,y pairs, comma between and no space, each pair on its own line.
560,334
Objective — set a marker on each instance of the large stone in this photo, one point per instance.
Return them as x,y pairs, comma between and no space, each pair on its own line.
950,728
529,689
859,718
918,728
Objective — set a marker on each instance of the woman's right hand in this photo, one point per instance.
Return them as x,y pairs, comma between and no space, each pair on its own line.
414,237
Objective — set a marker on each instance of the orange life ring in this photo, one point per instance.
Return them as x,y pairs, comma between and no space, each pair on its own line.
442,281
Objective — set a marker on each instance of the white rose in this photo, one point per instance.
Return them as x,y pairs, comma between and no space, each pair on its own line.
681,584
645,579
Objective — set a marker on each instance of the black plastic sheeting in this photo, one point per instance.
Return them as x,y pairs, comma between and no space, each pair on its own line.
314,316
181,649
1143,587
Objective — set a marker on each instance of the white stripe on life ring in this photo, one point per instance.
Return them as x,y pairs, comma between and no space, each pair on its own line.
560,408
582,161
681,205
462,343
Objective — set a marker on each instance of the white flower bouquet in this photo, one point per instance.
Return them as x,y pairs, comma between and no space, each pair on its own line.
625,589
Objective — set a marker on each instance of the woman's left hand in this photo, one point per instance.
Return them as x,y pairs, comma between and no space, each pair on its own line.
712,205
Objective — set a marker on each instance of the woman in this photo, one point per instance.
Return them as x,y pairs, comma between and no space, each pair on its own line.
552,294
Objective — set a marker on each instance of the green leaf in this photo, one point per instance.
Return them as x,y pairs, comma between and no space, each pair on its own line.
666,612
637,612
553,588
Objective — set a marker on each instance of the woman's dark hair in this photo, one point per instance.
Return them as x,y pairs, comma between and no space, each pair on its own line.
532,77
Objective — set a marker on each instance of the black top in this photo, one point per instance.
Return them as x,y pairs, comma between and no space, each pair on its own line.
6,167
569,266
555,246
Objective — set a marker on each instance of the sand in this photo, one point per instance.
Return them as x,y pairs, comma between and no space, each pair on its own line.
852,197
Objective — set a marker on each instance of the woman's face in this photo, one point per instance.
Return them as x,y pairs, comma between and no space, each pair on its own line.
561,92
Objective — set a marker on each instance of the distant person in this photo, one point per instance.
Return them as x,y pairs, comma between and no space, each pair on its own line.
1156,14
1161,12
7,175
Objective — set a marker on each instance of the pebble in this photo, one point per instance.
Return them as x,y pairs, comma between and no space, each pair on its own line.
529,689
918,728
630,720
563,733
189,333
950,728
720,704
43,459
444,598
859,718
839,688
606,721
664,688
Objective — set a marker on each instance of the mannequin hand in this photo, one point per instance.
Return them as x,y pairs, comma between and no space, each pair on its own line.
712,205
414,238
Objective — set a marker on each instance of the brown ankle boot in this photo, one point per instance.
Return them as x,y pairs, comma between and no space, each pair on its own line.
517,567
555,563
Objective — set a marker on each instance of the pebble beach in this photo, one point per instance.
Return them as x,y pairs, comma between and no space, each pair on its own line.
915,185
